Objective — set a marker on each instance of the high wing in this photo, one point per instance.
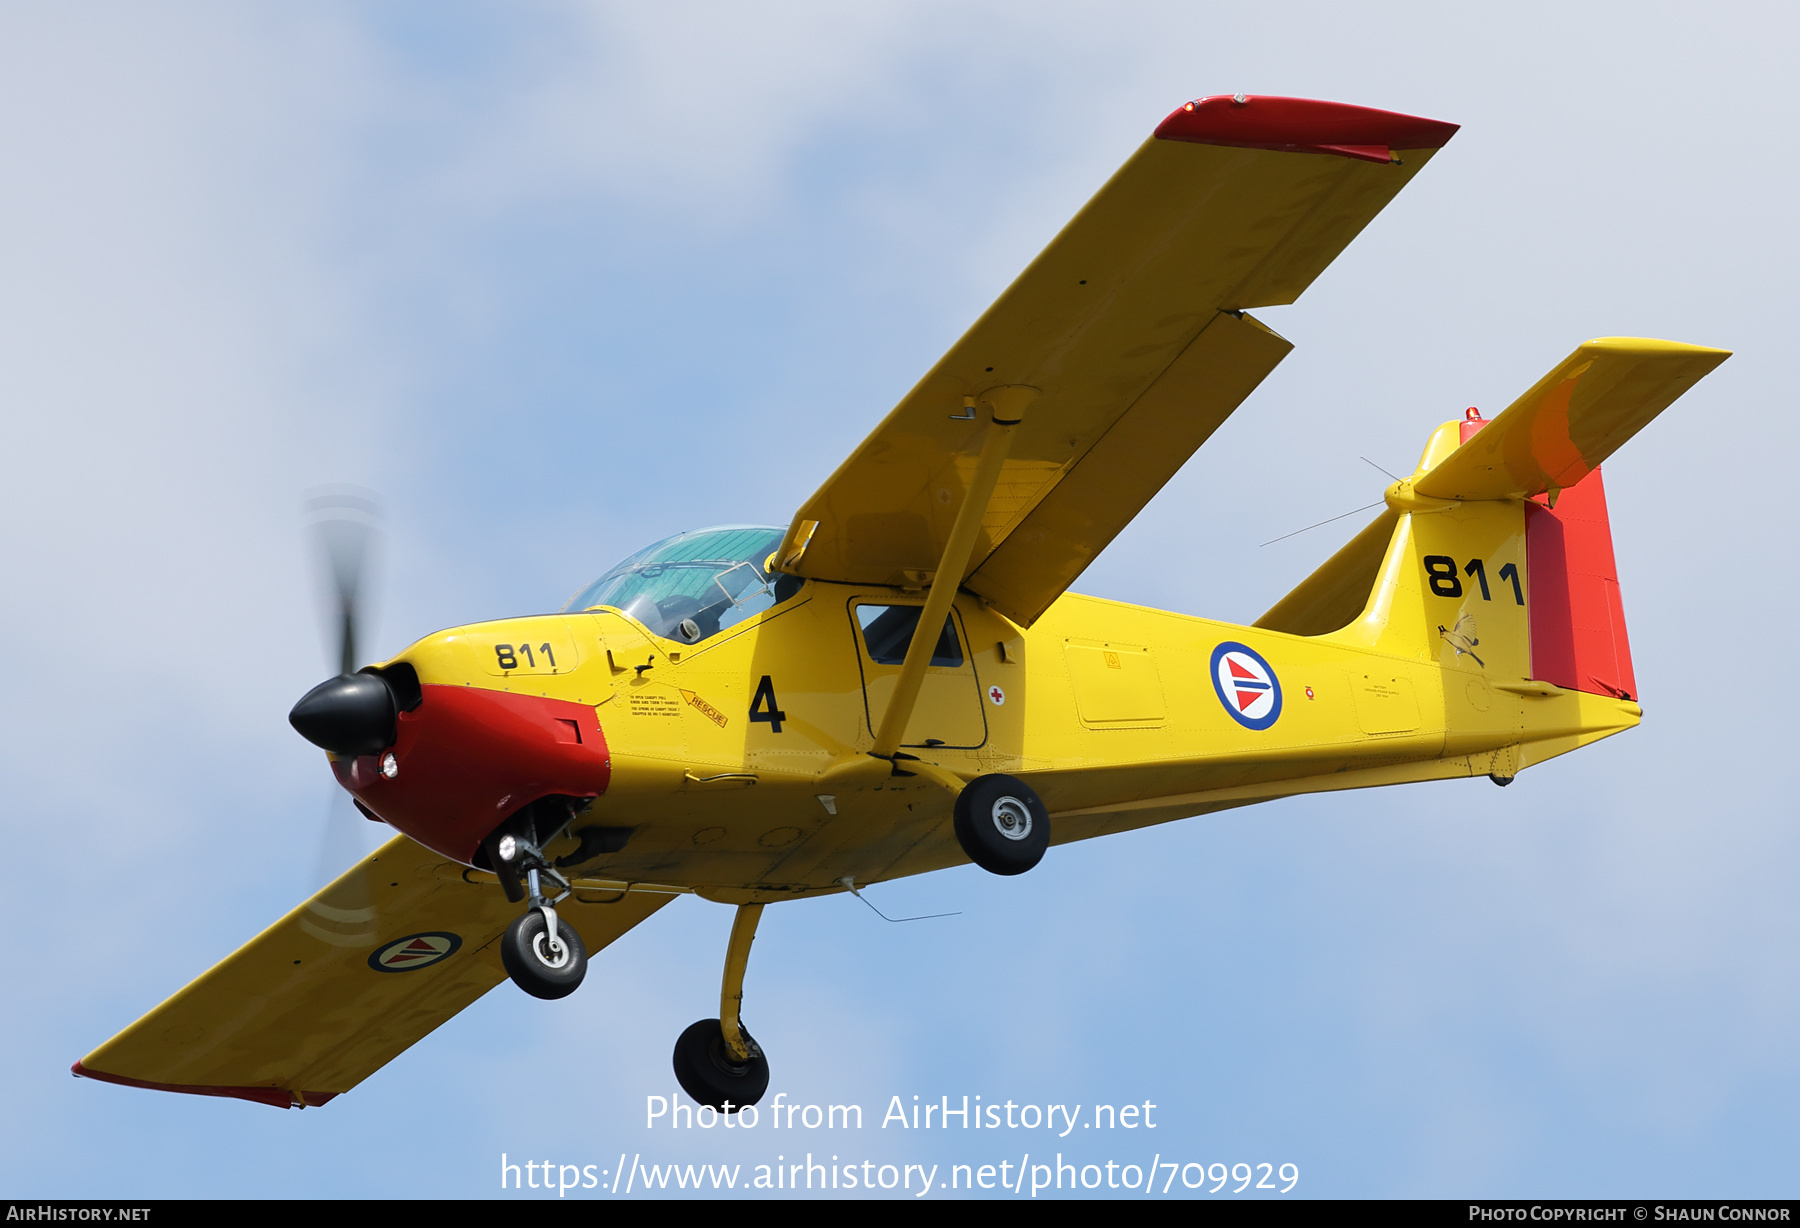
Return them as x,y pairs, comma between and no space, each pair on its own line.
342,985
1130,328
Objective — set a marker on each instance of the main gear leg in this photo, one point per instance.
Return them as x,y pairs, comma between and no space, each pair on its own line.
717,1061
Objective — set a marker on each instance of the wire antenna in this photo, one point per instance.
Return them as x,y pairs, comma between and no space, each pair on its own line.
1298,532
849,884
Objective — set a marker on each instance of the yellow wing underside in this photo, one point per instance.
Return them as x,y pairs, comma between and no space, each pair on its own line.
299,1013
1130,326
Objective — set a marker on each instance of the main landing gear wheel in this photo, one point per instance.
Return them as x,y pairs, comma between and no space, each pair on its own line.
1002,824
543,967
707,1071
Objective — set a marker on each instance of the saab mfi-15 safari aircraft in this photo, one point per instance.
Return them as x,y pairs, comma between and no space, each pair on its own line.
899,681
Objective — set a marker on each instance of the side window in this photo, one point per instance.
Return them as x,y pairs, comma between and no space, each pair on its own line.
888,629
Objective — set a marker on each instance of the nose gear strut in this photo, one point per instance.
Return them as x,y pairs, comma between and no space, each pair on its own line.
544,957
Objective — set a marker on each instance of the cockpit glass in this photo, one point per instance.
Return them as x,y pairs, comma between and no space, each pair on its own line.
696,584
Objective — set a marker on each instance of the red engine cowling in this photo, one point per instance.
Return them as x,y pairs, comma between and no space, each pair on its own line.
466,758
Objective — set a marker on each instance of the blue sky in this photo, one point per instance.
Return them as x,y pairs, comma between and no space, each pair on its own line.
560,279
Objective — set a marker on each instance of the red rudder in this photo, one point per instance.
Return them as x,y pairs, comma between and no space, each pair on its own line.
1577,620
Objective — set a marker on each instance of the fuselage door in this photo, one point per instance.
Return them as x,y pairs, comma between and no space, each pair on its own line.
949,711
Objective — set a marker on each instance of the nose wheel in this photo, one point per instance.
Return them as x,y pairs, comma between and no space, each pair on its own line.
545,962
543,955
716,1061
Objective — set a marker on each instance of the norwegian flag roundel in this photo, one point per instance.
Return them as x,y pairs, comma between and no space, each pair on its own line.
1246,685
415,951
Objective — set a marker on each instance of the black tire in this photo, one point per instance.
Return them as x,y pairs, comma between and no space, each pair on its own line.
523,949
711,1075
1002,824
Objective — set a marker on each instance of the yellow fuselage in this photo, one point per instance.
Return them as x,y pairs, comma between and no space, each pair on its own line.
740,763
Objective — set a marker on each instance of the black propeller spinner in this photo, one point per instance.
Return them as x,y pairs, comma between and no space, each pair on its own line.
351,714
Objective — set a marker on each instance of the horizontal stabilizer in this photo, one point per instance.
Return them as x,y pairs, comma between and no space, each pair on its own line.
1571,420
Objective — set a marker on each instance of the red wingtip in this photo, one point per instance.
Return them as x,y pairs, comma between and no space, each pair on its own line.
280,1097
1302,125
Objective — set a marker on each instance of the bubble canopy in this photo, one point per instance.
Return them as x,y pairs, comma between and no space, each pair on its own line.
695,584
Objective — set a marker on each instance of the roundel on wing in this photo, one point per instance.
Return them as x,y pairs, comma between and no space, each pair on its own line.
415,951
1246,685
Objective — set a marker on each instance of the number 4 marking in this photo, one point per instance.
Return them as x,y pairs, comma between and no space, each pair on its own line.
763,707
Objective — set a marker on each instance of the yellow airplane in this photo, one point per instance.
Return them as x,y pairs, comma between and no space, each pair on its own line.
898,681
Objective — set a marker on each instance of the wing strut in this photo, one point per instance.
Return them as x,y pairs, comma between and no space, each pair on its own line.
1006,407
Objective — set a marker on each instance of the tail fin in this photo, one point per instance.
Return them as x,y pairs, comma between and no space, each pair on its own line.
1496,555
